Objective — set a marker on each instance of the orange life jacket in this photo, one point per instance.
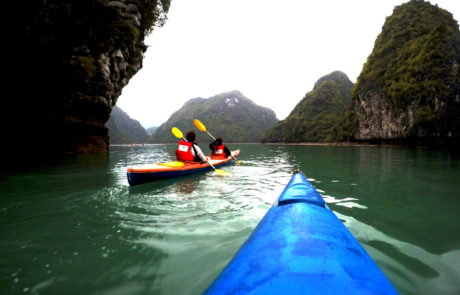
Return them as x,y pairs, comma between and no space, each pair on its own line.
184,151
219,151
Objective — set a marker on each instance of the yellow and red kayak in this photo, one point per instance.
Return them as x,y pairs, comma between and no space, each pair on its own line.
146,173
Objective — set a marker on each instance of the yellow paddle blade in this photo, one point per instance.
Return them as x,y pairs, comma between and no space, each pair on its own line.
177,133
199,125
172,164
222,172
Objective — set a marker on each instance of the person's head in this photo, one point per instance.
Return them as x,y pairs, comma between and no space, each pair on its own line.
219,141
190,136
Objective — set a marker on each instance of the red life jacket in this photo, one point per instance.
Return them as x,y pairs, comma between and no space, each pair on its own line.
184,151
219,152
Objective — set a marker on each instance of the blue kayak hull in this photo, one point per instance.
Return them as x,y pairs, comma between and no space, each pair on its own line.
301,247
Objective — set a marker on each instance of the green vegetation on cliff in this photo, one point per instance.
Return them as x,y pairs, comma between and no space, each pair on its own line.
414,66
315,117
229,115
63,40
66,63
123,129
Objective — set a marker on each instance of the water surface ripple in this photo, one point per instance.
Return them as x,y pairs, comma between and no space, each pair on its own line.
77,227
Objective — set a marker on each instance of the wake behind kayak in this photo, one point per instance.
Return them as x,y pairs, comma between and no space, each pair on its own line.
301,247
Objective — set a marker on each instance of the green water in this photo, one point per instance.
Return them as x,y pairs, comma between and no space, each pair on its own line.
76,227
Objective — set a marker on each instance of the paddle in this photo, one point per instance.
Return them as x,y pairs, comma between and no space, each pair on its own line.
173,164
201,126
177,133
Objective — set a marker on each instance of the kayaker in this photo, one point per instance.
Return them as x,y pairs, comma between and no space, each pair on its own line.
219,149
189,151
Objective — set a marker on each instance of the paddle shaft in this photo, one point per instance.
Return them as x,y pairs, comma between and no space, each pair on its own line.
211,135
206,160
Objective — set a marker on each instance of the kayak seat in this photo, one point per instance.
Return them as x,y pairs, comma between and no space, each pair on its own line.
299,190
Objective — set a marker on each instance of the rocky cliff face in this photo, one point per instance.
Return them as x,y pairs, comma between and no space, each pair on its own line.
379,119
68,66
409,88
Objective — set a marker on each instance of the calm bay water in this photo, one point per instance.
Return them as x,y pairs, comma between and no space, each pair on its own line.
76,227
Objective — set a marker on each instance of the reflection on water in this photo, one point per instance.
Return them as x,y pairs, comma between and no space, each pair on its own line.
346,202
412,268
79,224
188,186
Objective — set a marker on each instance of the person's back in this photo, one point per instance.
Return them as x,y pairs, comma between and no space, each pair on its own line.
188,151
219,149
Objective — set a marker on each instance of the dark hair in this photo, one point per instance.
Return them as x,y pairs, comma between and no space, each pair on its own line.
190,136
219,141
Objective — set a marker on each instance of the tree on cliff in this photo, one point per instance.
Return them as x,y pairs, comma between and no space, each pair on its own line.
410,84
66,64
315,117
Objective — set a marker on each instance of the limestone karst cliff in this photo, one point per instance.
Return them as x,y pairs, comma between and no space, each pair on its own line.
409,88
66,64
315,117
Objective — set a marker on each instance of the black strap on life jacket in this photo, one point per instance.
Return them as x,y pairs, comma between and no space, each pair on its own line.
196,158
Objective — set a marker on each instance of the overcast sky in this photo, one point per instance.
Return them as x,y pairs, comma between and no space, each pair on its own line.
271,51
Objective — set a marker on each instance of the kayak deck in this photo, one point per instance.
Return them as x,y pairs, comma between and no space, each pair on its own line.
147,173
301,247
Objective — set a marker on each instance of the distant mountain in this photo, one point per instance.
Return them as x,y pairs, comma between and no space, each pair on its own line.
315,117
123,129
229,115
151,130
